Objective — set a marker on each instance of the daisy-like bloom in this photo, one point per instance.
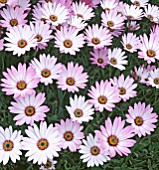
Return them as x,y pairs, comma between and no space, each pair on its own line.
153,79
70,134
133,26
112,20
77,22
126,87
47,68
42,33
132,12
109,4
29,109
50,165
1,44
98,37
8,2
117,58
42,143
13,17
115,138
100,57
68,40
55,13
71,78
140,3
20,39
24,5
130,42
82,10
80,110
92,153
151,12
103,96
10,145
19,82
149,48
91,3
142,119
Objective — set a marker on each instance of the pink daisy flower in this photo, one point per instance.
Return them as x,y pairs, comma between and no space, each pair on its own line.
133,26
109,4
13,17
98,37
130,42
1,44
91,3
42,33
115,138
149,48
19,82
100,57
20,39
70,134
72,78
46,69
103,96
68,40
8,2
82,10
55,13
153,79
142,119
140,3
24,5
126,87
29,109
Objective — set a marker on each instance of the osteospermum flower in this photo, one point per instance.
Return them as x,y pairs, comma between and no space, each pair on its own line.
19,82
70,134
98,37
130,42
10,145
133,26
42,143
12,17
37,13
149,48
82,10
72,78
100,57
153,79
140,3
29,109
142,119
46,69
92,153
1,44
103,96
68,40
80,110
8,2
24,5
55,13
91,3
20,39
115,138
42,33
50,165
132,12
126,87
117,59
109,4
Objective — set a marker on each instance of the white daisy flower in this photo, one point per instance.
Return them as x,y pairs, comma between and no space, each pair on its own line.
109,4
80,110
117,58
42,143
10,145
50,165
92,153
140,3
153,79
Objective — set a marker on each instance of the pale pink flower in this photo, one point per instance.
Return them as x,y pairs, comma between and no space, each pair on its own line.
50,165
72,78
109,4
103,96
19,82
70,134
130,42
46,69
98,36
140,3
153,78
100,57
29,109
24,5
149,48
1,44
115,138
37,13
142,119
68,40
91,3
126,87
133,26
8,2
12,17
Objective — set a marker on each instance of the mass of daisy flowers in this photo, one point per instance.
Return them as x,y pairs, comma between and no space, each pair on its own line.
79,84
